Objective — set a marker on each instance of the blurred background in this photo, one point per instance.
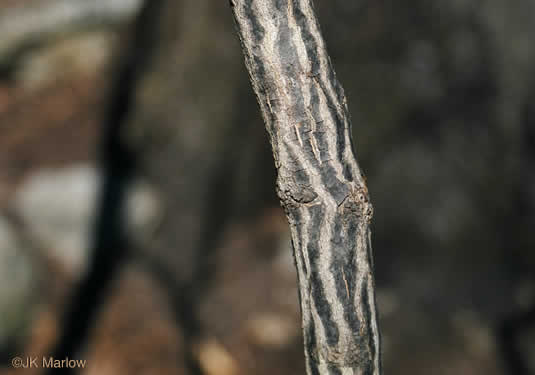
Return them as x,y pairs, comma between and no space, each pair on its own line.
139,228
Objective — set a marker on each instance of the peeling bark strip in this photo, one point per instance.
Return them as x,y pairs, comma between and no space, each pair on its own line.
319,182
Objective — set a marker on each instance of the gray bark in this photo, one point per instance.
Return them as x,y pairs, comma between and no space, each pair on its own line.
320,184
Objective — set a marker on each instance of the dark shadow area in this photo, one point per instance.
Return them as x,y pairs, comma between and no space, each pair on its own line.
509,333
110,246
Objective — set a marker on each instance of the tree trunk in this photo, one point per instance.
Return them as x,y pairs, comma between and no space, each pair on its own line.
319,182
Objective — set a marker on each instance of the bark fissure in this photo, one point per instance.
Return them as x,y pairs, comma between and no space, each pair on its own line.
319,182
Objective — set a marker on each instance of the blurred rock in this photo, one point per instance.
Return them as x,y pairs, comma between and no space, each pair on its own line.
17,286
57,205
22,26
82,54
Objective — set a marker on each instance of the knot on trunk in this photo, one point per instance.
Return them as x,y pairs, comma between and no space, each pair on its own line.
357,203
296,195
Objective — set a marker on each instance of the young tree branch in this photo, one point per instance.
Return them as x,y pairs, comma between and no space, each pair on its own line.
319,182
